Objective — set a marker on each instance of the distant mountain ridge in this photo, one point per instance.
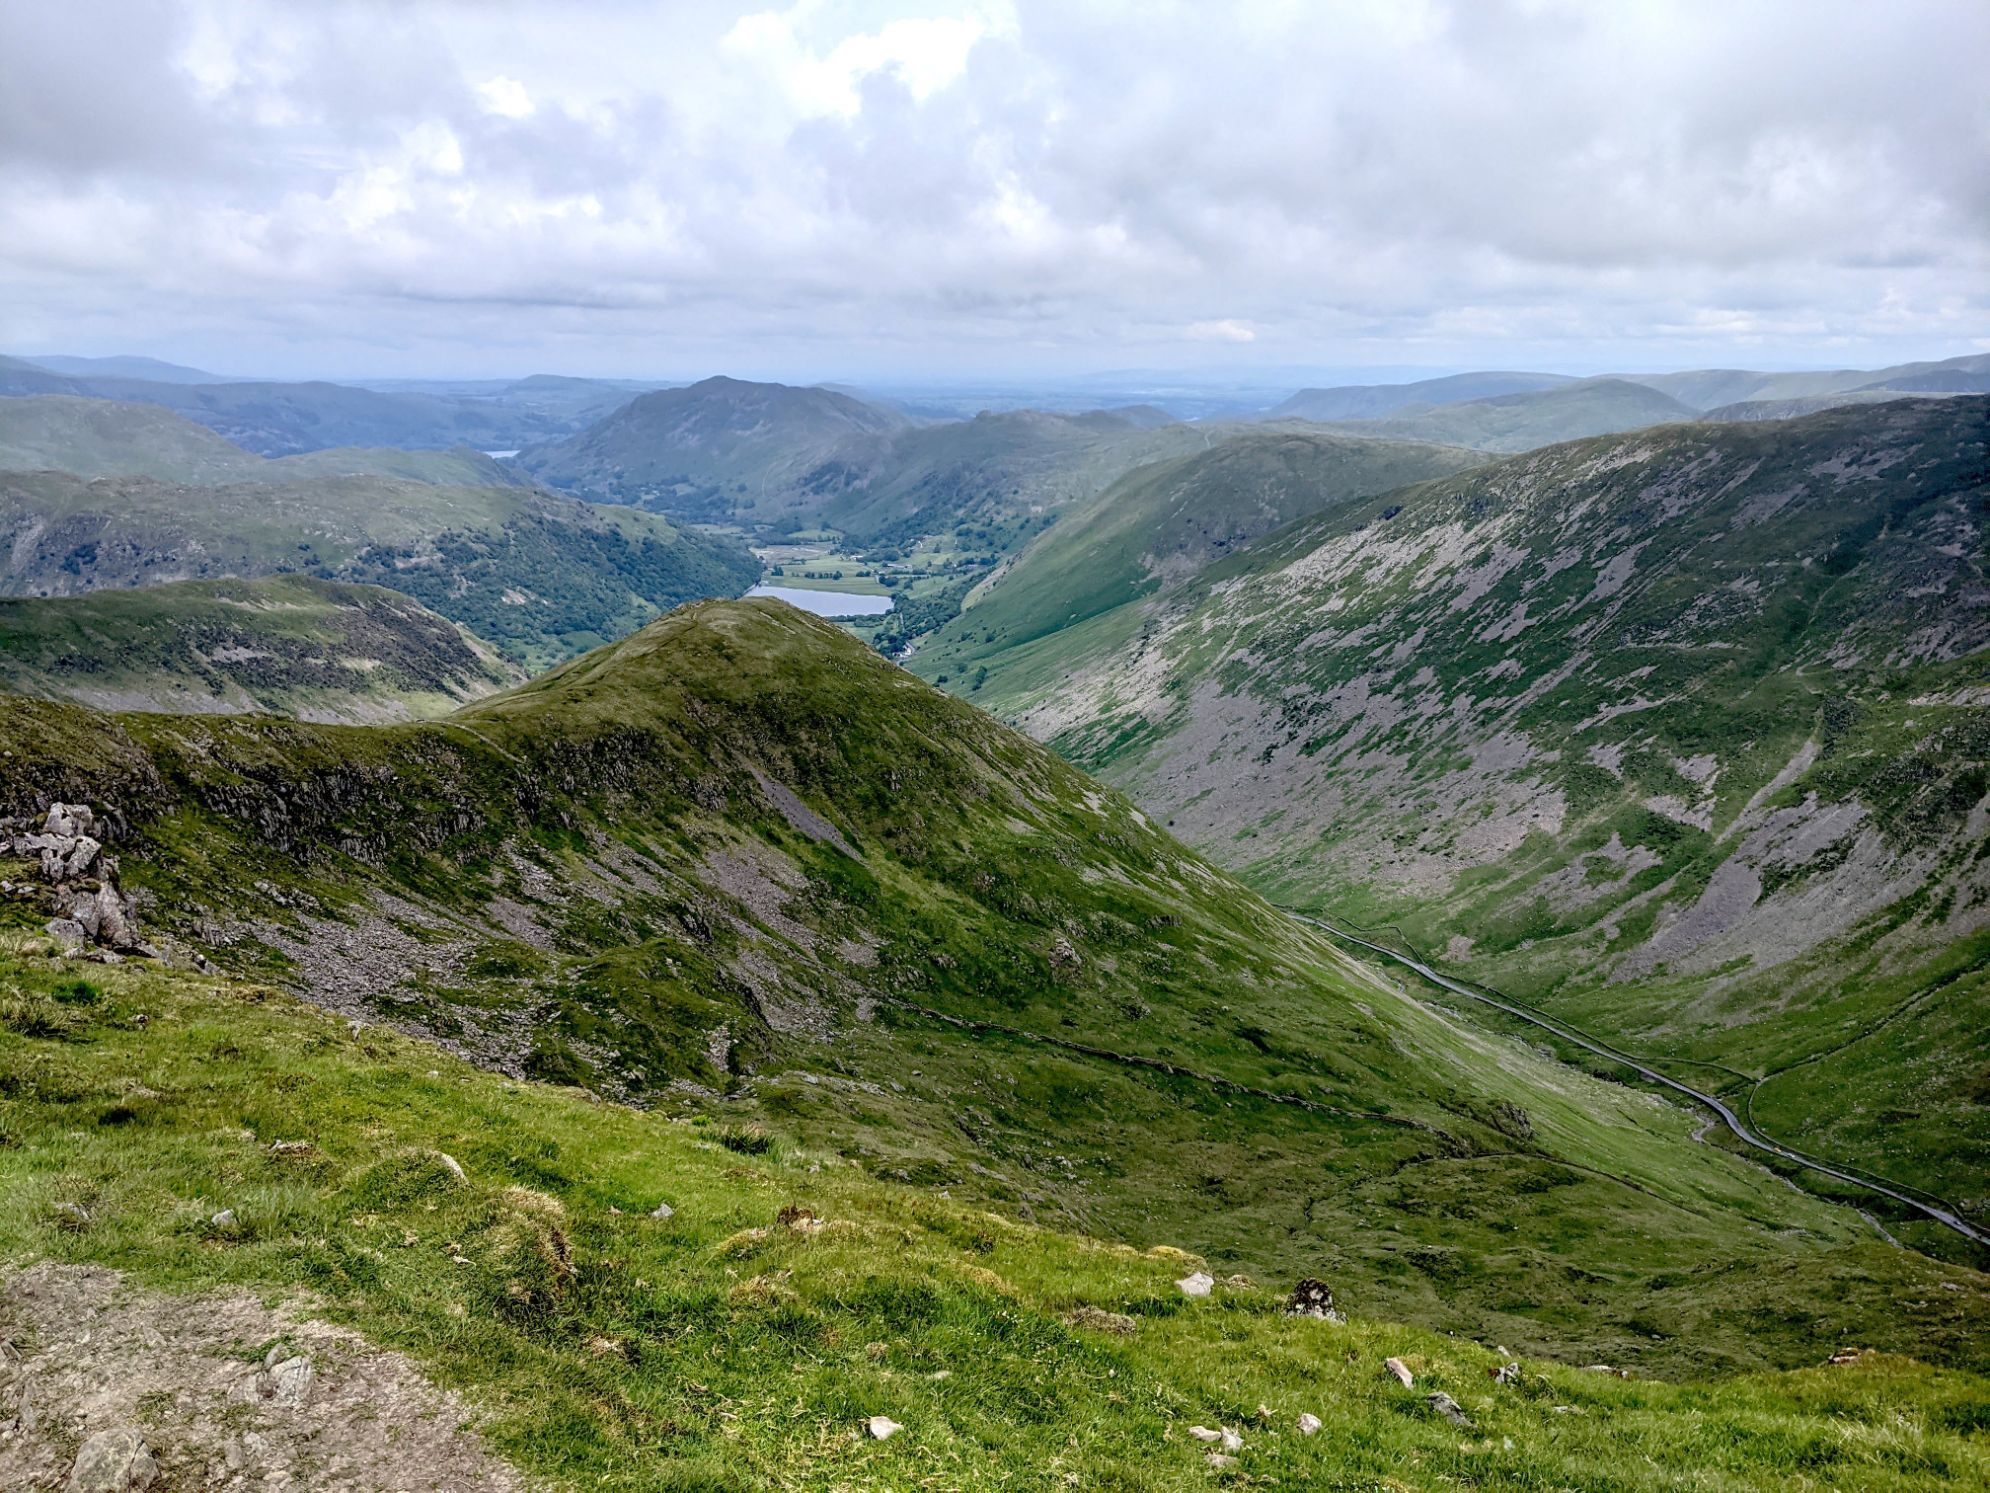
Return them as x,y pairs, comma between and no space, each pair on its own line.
1378,401
538,575
154,369
272,418
284,645
719,447
110,438
1526,419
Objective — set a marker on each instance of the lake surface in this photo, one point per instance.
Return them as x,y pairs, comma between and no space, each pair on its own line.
827,603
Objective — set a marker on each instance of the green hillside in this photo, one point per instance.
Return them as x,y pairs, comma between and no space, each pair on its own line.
104,438
1682,735
739,867
1379,401
1163,522
540,576
110,438
287,645
719,449
745,1341
1524,421
1006,473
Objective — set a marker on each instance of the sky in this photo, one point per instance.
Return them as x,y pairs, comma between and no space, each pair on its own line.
960,189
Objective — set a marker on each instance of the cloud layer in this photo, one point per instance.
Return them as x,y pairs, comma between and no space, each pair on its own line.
995,185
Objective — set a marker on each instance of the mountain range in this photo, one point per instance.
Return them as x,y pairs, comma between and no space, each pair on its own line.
1435,917
672,872
1679,734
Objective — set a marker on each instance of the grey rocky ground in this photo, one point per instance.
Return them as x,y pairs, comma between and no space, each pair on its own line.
106,1387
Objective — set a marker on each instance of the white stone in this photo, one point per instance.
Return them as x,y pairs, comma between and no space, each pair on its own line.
1308,1423
1198,1284
882,1427
1401,1370
113,1461
285,1380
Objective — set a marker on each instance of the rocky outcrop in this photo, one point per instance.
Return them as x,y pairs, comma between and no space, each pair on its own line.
79,878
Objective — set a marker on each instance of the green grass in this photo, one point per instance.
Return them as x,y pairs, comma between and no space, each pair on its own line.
723,1349
953,960
1460,707
540,577
287,645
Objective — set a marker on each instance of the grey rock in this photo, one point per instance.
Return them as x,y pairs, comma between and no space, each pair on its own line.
663,1210
81,859
225,1219
1449,1408
67,932
1219,1460
1196,1284
113,921
1309,1423
285,1379
113,1461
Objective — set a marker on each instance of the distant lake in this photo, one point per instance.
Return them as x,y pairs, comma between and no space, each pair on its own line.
827,603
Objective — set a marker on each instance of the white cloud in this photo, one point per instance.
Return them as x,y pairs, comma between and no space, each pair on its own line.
842,184
1227,330
507,97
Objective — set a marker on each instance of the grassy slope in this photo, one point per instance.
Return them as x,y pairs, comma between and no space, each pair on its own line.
599,884
108,438
1162,522
1521,422
997,471
540,576
103,438
1682,732
288,645
722,1350
720,449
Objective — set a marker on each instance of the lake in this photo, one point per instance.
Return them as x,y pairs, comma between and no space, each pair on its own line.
827,603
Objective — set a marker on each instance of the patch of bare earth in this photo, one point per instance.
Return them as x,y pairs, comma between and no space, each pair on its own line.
216,1392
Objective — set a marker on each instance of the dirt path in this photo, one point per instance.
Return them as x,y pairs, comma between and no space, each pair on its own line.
216,1391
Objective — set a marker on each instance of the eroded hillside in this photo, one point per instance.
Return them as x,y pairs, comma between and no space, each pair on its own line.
1681,732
